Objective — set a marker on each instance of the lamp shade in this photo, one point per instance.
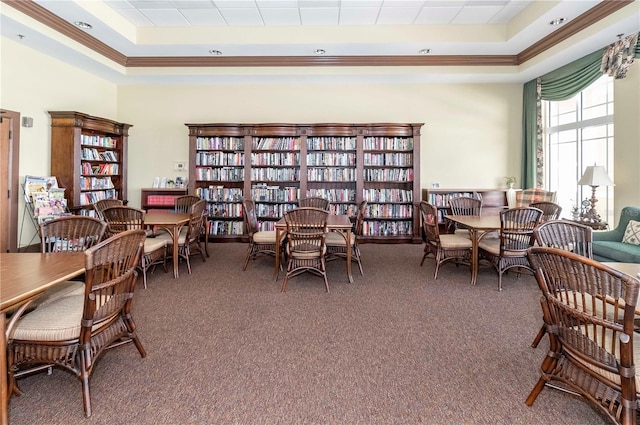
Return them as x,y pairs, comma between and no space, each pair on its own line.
595,175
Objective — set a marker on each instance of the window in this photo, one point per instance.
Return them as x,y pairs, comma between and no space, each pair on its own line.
579,132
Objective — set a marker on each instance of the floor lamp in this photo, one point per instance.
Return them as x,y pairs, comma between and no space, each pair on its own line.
594,176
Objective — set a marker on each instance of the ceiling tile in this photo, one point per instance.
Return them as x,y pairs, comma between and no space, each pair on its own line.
320,16
165,18
152,4
277,3
476,14
398,15
136,17
403,3
119,4
242,16
280,16
361,3
437,15
318,4
234,4
506,14
358,15
204,18
194,4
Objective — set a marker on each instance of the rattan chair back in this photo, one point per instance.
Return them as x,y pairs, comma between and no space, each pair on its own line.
72,233
102,204
590,310
306,242
182,204
122,218
105,320
260,242
550,210
465,205
314,202
567,235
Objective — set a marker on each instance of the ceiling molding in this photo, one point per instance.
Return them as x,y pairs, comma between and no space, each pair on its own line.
588,18
44,16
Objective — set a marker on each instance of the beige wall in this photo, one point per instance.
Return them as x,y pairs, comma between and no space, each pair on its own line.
32,83
471,136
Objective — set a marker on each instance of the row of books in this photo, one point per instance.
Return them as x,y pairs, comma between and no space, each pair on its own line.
103,141
331,174
388,174
220,194
220,158
92,154
393,159
224,210
291,159
273,210
226,227
220,143
92,183
276,143
220,174
442,199
275,174
388,143
388,195
389,210
274,193
344,209
334,195
89,169
387,228
161,200
331,143
328,159
88,198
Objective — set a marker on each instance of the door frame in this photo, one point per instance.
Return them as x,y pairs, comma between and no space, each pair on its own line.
13,173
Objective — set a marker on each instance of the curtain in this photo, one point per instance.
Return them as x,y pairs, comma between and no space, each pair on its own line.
618,57
561,84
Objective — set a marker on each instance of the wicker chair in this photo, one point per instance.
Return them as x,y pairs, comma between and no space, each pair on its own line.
314,202
189,241
260,241
73,332
337,245
516,236
567,235
183,204
550,210
123,218
445,248
102,204
464,205
66,234
306,243
590,309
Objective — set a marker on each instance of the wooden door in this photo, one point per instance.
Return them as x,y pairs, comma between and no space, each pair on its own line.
9,192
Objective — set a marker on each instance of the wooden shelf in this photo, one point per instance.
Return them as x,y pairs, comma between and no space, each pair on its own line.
159,198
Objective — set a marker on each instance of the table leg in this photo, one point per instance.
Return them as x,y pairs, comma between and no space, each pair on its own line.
347,236
4,384
473,233
279,233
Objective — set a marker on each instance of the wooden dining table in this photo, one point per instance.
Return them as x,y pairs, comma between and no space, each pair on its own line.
173,224
479,226
339,223
23,278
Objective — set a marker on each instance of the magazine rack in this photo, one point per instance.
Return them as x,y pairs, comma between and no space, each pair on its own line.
43,200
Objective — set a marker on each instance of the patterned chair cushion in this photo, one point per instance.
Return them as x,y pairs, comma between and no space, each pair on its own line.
528,196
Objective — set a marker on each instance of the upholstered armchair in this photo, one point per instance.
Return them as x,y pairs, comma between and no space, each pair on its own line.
612,245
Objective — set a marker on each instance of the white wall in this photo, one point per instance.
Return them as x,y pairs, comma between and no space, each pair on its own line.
32,83
471,137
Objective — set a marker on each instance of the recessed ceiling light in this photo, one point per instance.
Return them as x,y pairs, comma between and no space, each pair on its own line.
319,51
558,21
83,25
215,52
424,51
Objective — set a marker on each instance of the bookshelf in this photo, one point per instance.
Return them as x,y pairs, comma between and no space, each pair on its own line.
276,164
493,200
159,199
89,157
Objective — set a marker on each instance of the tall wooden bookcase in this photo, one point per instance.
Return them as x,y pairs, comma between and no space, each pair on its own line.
276,164
88,157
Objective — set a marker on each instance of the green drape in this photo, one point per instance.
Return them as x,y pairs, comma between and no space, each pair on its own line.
561,84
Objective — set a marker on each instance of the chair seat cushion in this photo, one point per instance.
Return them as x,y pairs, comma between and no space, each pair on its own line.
266,236
58,320
60,290
335,239
454,241
153,244
491,245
